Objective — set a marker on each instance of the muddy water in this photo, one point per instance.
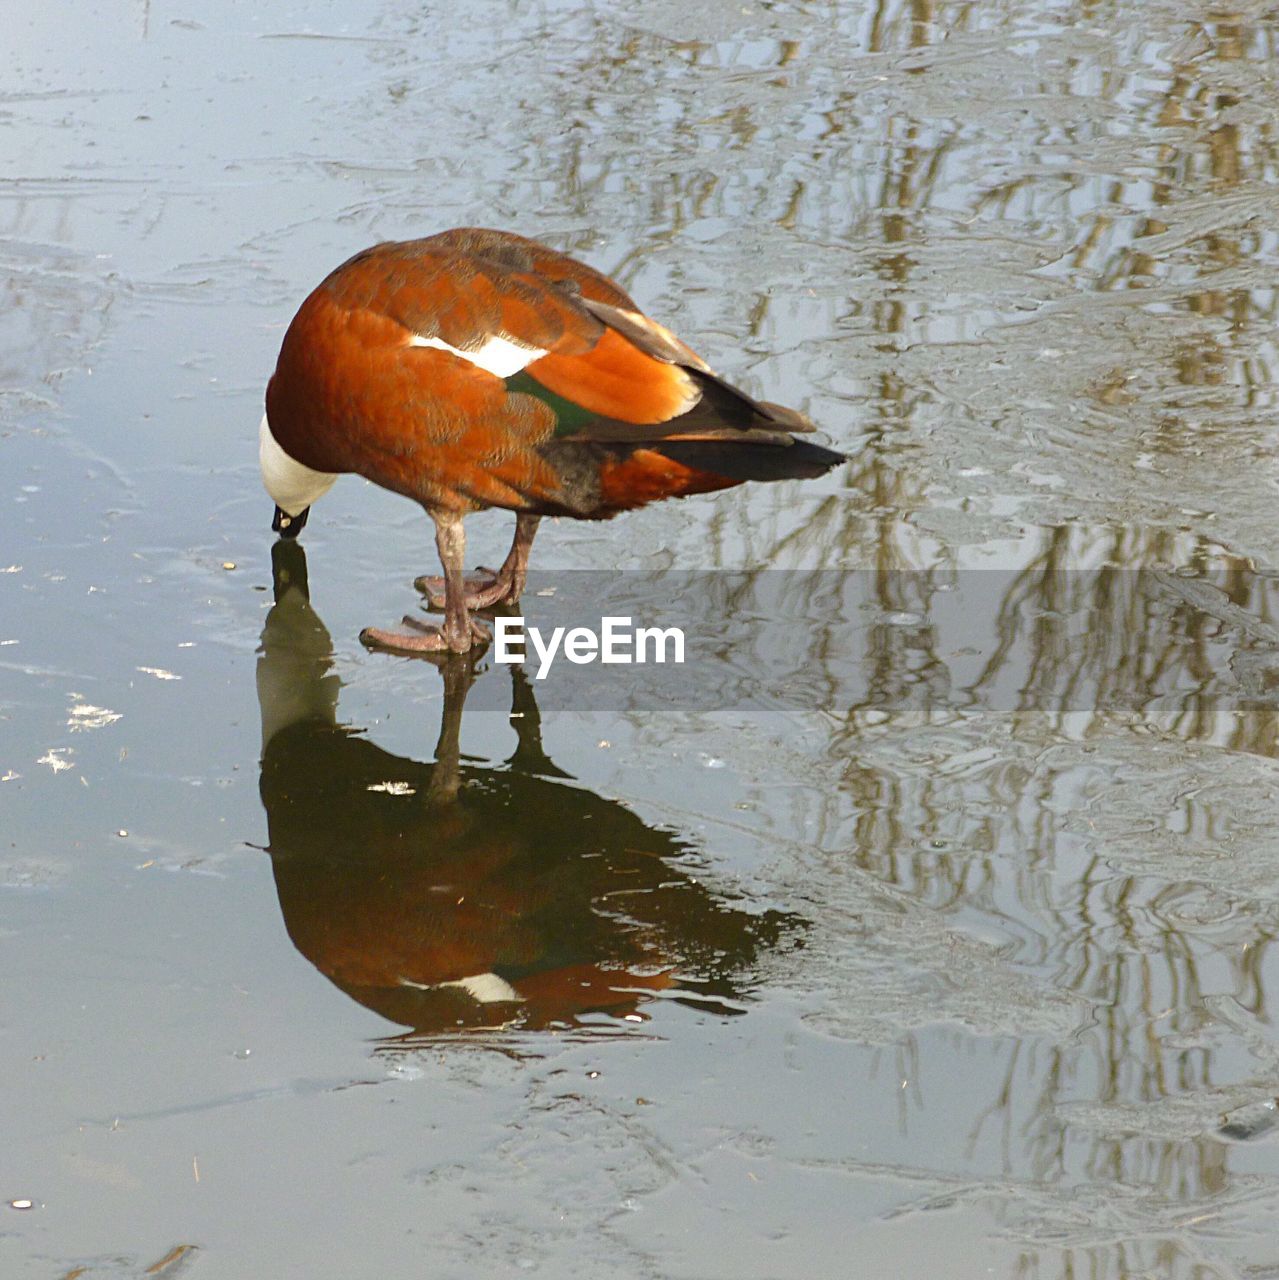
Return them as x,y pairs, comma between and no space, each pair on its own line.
922,921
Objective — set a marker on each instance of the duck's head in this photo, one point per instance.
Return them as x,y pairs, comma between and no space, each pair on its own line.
293,486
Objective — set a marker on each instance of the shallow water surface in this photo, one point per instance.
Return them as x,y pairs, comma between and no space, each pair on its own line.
921,921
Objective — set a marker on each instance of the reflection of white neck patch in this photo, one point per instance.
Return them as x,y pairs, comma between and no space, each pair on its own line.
292,486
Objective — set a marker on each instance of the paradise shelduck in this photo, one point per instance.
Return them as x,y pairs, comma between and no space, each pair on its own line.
478,369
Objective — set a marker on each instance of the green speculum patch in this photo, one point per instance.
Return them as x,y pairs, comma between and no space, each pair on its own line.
570,417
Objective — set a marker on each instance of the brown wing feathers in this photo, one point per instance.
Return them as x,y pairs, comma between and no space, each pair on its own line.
617,380
665,425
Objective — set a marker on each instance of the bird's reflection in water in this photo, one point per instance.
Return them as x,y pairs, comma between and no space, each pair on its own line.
447,896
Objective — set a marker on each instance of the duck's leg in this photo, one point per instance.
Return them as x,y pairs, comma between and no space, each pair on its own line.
515,567
505,586
460,631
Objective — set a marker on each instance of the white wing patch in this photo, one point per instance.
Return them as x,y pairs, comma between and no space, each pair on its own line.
497,355
292,486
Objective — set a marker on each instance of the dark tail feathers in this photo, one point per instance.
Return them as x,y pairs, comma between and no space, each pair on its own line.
748,460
